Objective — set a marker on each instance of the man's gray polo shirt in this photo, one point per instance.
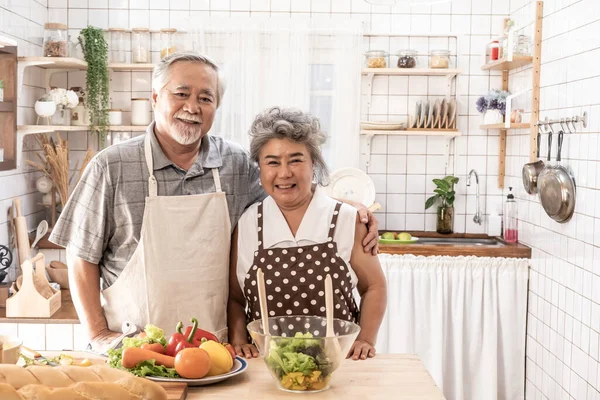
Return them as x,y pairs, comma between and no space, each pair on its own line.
102,220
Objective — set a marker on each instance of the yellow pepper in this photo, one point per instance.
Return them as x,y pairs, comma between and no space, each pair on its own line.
220,357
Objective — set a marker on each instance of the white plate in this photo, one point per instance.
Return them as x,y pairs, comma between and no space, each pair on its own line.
351,184
239,366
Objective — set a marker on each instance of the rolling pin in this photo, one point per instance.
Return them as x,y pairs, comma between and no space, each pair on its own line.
21,233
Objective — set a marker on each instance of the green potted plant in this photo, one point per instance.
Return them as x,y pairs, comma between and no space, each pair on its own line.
445,194
95,52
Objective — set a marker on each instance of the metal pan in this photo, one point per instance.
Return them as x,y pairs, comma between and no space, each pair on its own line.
557,189
532,170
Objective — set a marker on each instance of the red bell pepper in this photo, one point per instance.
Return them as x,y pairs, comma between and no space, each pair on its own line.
189,342
200,334
175,340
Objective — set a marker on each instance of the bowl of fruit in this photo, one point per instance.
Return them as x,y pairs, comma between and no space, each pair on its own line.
298,353
397,238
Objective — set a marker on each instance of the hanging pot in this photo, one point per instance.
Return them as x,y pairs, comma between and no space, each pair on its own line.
532,170
557,189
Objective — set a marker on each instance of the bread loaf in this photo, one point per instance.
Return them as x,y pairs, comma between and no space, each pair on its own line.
97,382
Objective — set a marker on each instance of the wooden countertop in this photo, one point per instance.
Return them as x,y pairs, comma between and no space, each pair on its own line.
387,376
66,314
502,249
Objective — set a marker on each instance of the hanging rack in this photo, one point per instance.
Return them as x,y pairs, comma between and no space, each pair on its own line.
570,120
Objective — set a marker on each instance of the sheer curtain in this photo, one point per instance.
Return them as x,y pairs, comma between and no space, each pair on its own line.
314,66
465,317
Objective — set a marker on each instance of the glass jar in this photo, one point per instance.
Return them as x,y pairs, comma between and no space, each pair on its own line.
439,59
140,45
376,59
56,40
168,42
407,58
523,45
493,51
117,45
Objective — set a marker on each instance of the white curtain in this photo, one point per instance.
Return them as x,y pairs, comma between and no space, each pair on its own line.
464,316
314,66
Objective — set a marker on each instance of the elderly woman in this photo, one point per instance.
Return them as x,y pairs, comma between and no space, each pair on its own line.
287,234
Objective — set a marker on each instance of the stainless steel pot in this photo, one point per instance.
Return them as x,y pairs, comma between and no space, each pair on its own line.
532,170
557,189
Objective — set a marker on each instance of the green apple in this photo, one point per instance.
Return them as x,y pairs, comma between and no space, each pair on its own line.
404,236
388,236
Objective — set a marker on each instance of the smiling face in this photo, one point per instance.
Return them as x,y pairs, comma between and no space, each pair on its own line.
286,172
185,107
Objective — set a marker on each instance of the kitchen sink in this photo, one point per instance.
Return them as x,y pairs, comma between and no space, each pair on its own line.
458,241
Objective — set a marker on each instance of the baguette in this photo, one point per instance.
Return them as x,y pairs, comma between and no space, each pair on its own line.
96,382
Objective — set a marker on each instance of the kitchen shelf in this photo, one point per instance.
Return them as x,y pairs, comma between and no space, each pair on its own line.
30,129
449,135
449,72
506,65
7,106
66,63
443,133
131,67
128,128
503,126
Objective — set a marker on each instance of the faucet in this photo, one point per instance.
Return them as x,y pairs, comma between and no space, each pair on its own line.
477,217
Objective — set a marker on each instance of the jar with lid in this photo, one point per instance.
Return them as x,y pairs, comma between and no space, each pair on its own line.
140,45
140,111
493,51
523,45
168,42
407,58
439,59
117,45
376,59
56,40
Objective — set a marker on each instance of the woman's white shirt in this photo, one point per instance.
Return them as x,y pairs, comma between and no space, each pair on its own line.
313,229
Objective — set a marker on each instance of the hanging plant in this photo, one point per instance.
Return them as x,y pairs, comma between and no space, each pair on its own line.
95,52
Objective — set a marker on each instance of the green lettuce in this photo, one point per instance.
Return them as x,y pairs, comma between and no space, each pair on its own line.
144,368
297,354
153,335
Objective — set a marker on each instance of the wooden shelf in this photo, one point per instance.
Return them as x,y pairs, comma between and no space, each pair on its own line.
128,128
505,65
30,129
7,106
130,67
446,133
450,72
4,41
66,63
502,126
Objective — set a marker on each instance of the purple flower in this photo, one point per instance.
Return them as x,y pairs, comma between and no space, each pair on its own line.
481,104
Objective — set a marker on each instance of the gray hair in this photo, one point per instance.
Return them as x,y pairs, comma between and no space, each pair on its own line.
160,76
294,125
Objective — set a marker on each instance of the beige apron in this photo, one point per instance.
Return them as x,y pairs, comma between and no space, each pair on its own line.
180,267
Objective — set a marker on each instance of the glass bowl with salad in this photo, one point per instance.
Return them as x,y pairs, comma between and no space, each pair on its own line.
298,354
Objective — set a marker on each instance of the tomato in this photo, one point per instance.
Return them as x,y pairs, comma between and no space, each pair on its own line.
192,363
231,350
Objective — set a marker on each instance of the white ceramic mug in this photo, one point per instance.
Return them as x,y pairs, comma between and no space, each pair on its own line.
140,112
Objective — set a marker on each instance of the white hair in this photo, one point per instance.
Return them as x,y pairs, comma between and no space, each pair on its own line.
160,75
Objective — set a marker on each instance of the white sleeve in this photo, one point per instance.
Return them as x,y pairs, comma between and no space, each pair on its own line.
247,242
344,236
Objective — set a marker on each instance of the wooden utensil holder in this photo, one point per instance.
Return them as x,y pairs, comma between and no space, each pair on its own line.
28,302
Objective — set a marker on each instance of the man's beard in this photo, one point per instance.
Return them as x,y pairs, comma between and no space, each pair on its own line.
183,133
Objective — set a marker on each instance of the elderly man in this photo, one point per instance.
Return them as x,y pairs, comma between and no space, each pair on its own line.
153,216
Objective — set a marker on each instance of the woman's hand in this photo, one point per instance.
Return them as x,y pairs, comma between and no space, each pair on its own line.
246,350
370,242
361,350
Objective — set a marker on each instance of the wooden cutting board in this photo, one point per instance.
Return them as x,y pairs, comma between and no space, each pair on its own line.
175,390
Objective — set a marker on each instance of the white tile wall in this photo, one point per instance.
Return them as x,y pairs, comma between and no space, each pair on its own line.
564,305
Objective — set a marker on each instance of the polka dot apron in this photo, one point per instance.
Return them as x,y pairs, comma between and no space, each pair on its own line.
295,278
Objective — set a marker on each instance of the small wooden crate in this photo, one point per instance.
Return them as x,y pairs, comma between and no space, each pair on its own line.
28,302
